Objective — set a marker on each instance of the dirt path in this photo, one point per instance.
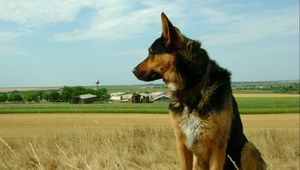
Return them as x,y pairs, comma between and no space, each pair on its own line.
34,124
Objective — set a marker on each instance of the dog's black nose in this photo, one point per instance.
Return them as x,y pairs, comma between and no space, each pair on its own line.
134,71
138,74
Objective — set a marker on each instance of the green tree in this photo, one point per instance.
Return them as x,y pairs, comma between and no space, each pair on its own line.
15,97
3,97
40,94
32,97
54,96
78,90
102,94
46,95
66,94
69,92
90,91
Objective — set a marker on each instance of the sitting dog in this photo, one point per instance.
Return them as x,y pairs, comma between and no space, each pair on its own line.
204,113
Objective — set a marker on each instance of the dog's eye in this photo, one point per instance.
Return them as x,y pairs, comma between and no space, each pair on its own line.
150,50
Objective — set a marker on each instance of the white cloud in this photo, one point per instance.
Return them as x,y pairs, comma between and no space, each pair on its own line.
115,21
123,19
7,46
108,20
8,36
9,50
41,12
248,27
130,53
28,16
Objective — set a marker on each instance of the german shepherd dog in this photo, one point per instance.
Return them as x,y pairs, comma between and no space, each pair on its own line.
204,113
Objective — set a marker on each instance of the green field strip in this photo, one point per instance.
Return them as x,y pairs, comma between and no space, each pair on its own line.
249,105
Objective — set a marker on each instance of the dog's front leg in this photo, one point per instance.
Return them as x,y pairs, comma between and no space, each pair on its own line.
185,156
217,158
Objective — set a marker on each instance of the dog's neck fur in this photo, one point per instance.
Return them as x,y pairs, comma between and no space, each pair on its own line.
199,87
198,73
191,96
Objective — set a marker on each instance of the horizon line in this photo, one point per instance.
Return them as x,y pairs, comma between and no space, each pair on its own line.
59,86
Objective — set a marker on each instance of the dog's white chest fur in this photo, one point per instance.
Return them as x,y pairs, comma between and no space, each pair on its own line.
191,127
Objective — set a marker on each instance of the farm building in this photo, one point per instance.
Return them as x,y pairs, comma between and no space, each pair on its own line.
126,97
140,98
84,99
161,98
120,96
155,95
116,96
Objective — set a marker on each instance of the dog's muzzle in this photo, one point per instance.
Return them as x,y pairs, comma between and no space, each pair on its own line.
144,76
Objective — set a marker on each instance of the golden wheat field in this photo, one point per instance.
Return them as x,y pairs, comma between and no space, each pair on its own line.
125,141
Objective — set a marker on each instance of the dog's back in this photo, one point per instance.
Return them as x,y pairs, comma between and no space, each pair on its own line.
244,153
251,158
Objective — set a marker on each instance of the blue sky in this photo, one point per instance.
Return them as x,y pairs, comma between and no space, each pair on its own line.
76,42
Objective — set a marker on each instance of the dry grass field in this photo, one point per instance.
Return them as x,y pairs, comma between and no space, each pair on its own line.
125,141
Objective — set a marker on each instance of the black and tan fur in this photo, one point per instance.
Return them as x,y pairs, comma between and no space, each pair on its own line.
203,111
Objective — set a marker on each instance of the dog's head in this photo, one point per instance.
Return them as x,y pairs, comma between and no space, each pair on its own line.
172,57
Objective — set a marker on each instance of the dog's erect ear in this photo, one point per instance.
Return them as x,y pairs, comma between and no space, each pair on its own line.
166,28
171,36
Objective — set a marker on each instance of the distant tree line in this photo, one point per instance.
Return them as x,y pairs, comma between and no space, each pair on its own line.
63,95
69,92
291,88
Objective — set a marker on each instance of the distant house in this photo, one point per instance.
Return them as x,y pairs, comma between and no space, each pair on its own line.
126,97
155,95
148,98
84,99
116,96
161,98
140,98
